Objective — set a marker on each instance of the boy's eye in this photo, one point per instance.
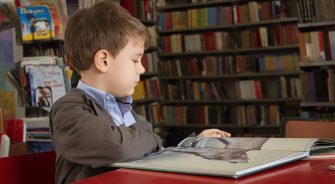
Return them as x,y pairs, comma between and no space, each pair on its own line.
135,61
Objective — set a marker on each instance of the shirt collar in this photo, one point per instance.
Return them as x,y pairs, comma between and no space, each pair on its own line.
118,108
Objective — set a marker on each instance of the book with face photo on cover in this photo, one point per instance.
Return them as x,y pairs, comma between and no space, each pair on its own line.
229,157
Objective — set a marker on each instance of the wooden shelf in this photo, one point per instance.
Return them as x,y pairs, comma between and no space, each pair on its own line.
291,48
149,75
151,49
197,5
148,22
229,101
317,104
46,41
229,76
316,64
145,101
228,27
316,24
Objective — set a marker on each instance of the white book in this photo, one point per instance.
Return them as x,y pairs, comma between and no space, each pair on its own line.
38,60
264,36
4,145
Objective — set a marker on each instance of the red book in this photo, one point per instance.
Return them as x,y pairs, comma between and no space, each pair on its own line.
167,44
16,130
144,62
258,89
321,45
238,14
258,38
128,5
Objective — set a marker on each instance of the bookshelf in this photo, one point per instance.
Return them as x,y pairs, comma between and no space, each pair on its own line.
38,74
40,32
317,60
202,77
147,94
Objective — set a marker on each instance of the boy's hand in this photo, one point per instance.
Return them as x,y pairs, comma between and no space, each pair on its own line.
213,133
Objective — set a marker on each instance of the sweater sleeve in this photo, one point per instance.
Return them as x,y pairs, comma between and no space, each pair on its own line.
91,138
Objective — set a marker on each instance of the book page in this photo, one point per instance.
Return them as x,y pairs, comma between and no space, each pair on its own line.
252,143
232,149
246,143
190,163
289,144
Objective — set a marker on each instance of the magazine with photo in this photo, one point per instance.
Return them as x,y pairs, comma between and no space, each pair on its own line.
46,83
36,23
229,157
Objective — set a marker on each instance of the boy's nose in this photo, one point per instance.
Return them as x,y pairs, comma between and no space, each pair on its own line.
141,68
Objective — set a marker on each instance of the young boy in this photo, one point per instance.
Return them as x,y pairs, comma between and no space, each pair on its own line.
93,125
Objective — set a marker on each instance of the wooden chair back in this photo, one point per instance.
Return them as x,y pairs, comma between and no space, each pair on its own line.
308,128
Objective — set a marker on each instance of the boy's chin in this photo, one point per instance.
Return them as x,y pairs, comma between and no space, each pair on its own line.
129,93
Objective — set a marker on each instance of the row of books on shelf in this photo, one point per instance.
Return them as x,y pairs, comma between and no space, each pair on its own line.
150,61
153,35
249,12
258,115
34,132
327,114
222,115
281,87
38,136
148,88
202,115
277,88
151,111
319,85
40,81
190,90
145,9
273,35
211,65
316,10
317,46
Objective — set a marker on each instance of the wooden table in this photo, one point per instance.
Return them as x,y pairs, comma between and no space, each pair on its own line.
303,171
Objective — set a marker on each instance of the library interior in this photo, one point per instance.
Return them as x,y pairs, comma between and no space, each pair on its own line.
253,68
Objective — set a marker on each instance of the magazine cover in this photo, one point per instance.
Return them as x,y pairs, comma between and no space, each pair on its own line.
46,83
36,23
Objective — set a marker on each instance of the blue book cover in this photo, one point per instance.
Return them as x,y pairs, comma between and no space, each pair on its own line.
36,23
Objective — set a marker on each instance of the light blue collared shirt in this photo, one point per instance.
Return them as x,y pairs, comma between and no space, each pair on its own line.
119,109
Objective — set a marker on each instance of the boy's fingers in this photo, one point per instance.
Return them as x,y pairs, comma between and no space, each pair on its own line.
214,133
225,134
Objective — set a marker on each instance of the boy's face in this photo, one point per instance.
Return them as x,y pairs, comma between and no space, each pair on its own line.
125,69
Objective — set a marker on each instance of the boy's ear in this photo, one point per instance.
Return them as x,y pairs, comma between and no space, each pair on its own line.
101,59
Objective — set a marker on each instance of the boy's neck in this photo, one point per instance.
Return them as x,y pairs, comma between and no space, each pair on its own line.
93,81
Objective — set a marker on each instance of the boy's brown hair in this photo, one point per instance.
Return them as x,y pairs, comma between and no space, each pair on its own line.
105,25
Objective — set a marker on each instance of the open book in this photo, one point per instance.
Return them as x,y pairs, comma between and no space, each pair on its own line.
229,157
